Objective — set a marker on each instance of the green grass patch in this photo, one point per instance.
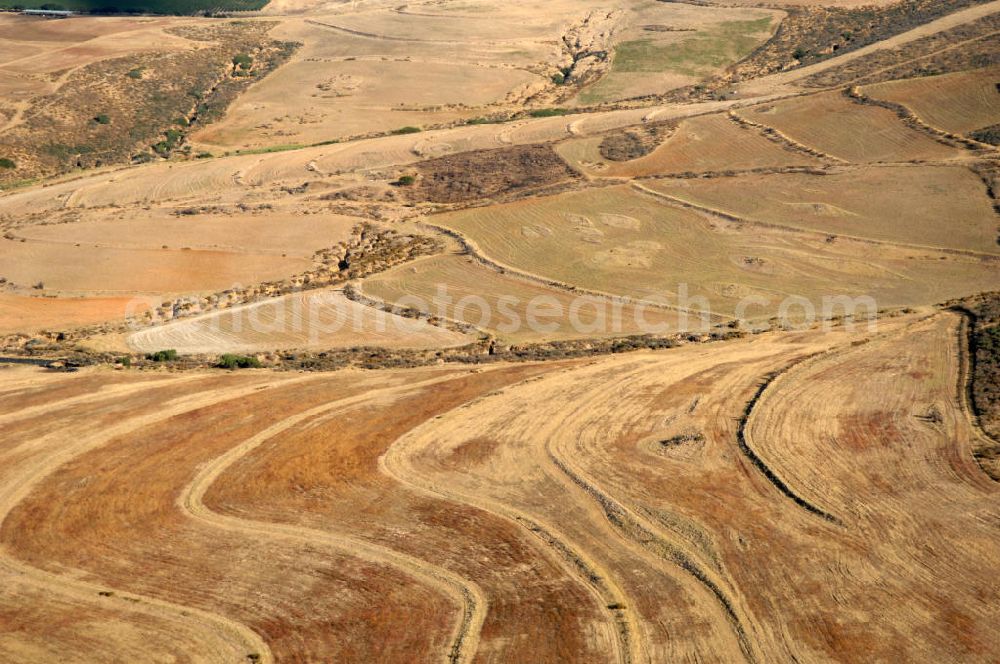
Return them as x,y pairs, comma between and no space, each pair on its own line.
548,112
696,56
273,148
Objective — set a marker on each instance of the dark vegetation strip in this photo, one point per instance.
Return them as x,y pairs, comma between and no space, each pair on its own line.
771,476
812,34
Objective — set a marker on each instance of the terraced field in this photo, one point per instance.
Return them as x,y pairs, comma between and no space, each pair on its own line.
857,203
637,242
841,128
475,331
513,308
317,319
960,102
710,143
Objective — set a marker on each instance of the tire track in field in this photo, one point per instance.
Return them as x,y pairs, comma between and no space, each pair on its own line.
104,393
397,464
464,592
16,490
639,530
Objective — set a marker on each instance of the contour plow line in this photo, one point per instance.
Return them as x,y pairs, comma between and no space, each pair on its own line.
397,464
963,391
765,388
105,392
638,529
14,491
462,591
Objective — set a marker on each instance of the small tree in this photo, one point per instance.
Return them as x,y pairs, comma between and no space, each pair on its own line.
163,355
7,163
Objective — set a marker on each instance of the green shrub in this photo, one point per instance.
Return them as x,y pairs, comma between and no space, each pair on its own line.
203,155
163,355
559,78
547,112
102,118
243,61
135,73
230,361
7,163
407,130
406,180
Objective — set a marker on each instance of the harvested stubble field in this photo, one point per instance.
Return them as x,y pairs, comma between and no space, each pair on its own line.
515,511
844,129
959,103
318,319
899,204
461,288
407,480
710,143
629,241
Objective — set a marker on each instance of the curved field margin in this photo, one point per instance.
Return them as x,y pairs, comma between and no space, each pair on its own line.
316,319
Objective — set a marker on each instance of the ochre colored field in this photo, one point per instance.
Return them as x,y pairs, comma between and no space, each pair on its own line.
703,144
894,204
458,287
316,319
593,509
279,232
19,313
959,102
625,241
835,125
112,271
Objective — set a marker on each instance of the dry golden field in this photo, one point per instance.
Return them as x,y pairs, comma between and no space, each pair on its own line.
476,331
959,102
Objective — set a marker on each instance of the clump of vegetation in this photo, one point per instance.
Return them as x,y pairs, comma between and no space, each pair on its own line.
102,118
230,361
135,73
990,135
489,120
168,355
172,138
7,163
243,61
407,130
811,34
682,438
547,112
405,181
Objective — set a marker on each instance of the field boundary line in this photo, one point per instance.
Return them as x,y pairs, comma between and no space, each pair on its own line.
469,248
727,216
463,591
637,529
396,464
13,494
966,378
